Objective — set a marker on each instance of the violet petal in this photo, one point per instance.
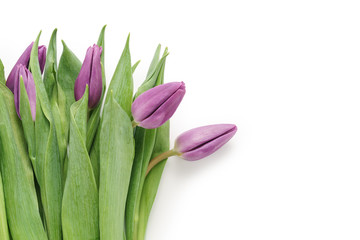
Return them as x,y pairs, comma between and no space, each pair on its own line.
95,87
200,142
155,106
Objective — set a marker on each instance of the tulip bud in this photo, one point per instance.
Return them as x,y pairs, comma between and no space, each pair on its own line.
42,57
90,74
155,106
200,142
22,71
24,60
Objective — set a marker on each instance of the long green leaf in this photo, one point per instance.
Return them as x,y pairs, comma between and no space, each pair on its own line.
47,163
20,196
121,86
80,209
58,108
154,61
27,121
69,68
133,68
2,73
144,144
116,157
4,229
122,82
57,97
51,65
153,72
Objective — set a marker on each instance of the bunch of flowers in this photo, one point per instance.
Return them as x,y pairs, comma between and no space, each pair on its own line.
80,164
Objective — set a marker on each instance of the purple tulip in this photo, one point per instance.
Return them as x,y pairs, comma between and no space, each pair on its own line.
200,142
155,106
90,74
24,60
42,57
29,83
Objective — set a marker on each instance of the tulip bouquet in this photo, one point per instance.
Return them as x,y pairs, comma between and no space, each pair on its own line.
76,163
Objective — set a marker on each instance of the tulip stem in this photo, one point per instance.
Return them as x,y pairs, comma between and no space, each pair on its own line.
160,158
134,124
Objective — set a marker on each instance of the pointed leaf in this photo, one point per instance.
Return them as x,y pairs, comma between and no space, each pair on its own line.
69,68
58,108
80,210
154,61
151,80
121,86
144,144
133,68
51,65
2,73
47,163
4,229
27,121
116,156
17,175
122,82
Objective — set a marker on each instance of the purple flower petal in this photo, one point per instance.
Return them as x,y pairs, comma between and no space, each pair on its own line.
157,105
42,57
95,87
24,60
22,71
200,142
91,75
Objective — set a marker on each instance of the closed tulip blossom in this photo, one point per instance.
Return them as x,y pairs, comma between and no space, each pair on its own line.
155,106
25,74
90,74
198,143
24,60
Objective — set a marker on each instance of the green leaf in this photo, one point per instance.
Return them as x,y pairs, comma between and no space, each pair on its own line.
51,65
69,68
121,86
153,73
144,144
95,155
20,196
154,61
152,180
116,157
122,82
27,121
58,108
133,68
101,43
2,73
47,162
80,209
4,229
57,98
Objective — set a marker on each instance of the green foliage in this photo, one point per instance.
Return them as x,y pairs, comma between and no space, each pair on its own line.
80,209
116,157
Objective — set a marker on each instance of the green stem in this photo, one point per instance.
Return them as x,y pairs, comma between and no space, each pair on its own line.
134,124
160,158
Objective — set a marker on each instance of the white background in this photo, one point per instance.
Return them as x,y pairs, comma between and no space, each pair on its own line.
287,73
